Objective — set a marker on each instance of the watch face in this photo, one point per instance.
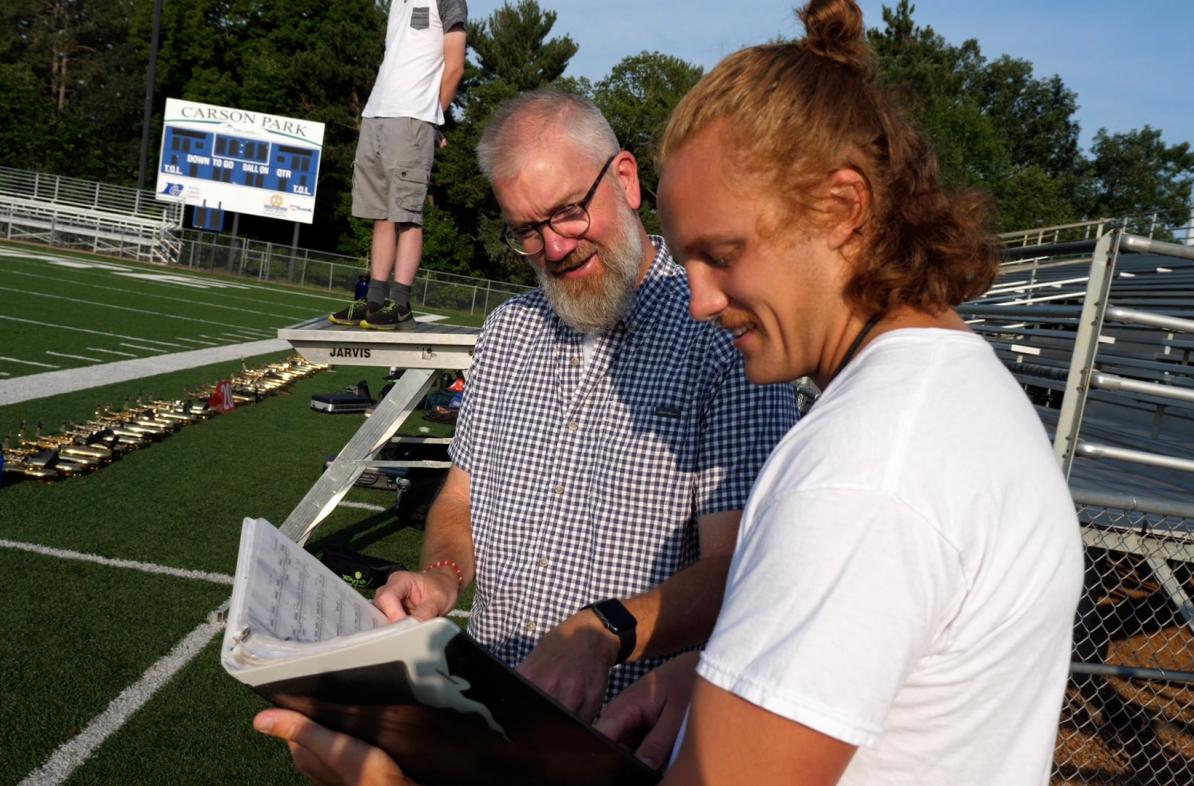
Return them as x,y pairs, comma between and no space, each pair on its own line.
615,615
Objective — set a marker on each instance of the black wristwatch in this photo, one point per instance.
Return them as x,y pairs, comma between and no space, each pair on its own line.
619,621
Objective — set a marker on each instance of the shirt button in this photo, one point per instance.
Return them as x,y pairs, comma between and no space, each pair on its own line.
573,425
574,360
530,627
557,489
544,562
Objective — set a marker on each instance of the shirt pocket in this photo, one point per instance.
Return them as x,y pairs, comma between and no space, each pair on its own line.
648,460
420,17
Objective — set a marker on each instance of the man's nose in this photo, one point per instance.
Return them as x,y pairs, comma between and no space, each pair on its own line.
555,245
707,299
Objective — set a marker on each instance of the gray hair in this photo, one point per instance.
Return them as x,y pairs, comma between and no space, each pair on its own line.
518,124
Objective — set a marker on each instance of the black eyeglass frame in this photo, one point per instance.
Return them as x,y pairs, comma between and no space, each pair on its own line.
537,226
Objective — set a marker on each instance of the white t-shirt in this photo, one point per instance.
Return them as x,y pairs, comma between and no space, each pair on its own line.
409,78
907,571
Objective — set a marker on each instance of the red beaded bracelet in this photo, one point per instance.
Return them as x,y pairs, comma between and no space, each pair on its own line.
447,563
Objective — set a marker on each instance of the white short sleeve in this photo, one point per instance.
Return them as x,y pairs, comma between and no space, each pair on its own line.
832,598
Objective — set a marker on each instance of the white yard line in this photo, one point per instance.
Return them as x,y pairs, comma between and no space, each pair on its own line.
198,341
88,330
29,362
188,301
138,346
363,506
76,357
144,567
78,749
144,311
52,383
112,352
5,374
170,344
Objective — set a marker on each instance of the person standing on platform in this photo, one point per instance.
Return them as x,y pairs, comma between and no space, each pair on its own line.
422,67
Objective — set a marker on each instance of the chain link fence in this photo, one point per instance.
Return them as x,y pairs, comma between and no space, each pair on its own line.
1128,715
433,289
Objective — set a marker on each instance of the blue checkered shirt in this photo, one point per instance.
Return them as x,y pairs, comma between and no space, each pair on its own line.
586,480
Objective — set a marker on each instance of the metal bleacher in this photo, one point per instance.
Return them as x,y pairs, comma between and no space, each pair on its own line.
66,212
1097,325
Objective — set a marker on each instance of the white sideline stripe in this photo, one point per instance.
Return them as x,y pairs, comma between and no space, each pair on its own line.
76,357
363,506
29,362
112,352
75,751
51,383
144,567
118,308
138,346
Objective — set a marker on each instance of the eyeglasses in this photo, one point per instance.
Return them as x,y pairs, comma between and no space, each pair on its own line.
571,220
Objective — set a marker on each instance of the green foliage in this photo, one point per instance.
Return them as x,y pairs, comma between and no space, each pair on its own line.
993,124
1136,173
445,246
72,76
637,98
513,53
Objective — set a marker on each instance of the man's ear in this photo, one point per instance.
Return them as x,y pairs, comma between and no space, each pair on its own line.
626,175
850,200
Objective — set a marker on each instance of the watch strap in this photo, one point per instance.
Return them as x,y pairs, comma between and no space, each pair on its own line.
618,620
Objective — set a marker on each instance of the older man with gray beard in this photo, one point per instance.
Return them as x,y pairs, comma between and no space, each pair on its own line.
607,441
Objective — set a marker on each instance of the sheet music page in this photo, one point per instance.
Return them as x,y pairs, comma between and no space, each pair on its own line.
291,595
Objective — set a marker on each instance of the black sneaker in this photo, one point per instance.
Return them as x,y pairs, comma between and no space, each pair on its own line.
354,314
390,316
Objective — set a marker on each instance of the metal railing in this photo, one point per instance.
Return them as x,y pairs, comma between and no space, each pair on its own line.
433,289
1097,324
1176,227
130,223
73,213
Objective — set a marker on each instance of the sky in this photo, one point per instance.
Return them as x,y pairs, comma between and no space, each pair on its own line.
1131,62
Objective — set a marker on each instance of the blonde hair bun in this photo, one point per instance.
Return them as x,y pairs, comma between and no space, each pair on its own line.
833,29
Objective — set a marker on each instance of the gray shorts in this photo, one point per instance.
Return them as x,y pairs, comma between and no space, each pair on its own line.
392,168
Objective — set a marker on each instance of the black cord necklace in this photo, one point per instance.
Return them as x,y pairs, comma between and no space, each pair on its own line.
862,334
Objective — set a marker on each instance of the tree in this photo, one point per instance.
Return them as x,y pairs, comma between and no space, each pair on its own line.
993,125
1035,116
69,74
637,98
1135,174
513,53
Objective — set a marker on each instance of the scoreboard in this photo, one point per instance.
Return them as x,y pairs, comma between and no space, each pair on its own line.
232,159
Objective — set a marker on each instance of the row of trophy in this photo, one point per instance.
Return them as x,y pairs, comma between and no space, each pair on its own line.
77,449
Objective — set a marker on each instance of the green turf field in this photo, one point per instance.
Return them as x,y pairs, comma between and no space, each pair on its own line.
80,635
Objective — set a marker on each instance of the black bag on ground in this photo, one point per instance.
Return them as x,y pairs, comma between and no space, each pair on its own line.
359,570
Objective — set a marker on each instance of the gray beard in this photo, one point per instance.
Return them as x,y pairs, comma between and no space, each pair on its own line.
594,304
